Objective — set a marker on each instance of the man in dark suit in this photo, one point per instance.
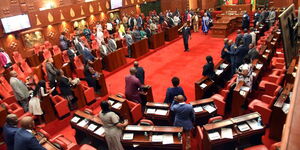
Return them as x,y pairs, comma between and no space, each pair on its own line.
253,53
87,55
184,113
239,37
225,55
129,42
186,34
148,31
140,73
247,38
9,130
24,138
209,68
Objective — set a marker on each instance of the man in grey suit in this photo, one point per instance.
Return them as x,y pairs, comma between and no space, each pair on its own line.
136,34
20,89
111,44
51,73
103,49
129,42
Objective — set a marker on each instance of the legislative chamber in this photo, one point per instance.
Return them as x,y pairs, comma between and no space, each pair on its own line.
149,75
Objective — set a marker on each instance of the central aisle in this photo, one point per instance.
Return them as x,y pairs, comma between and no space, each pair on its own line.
171,61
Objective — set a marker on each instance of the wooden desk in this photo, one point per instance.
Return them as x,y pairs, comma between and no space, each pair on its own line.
79,94
114,60
291,71
278,116
139,48
101,81
143,136
240,8
158,119
123,109
171,33
240,138
225,25
48,109
157,40
201,114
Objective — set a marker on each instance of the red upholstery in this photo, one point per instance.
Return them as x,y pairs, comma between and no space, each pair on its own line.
61,105
230,82
65,143
7,97
89,93
95,45
48,45
270,89
87,147
6,85
199,138
56,50
37,49
215,119
16,109
20,73
17,57
263,107
46,134
146,122
79,67
277,80
26,69
220,101
47,54
135,110
257,147
66,58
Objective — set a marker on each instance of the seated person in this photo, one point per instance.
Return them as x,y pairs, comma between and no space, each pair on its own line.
136,34
244,75
9,130
143,33
173,91
104,50
208,68
92,77
88,57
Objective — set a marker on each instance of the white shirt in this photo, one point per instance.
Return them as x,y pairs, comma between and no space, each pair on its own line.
253,35
109,26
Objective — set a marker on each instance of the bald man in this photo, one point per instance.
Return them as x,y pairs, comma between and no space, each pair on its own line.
140,73
132,85
184,113
24,138
20,89
9,130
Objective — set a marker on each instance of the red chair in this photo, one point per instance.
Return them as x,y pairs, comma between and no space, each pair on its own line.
79,67
48,45
20,73
65,57
6,85
95,45
8,97
220,101
270,89
87,147
37,49
17,57
61,106
47,54
56,50
135,111
275,146
263,107
215,119
230,82
199,137
16,109
277,80
26,69
146,122
89,94
65,143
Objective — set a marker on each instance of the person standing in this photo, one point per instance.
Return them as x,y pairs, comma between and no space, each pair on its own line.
186,34
24,138
9,130
63,41
245,21
224,54
129,42
132,86
205,23
140,73
173,91
20,89
87,33
247,38
196,23
239,37
5,60
112,127
65,86
253,36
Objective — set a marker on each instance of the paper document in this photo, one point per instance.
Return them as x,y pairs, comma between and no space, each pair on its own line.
100,131
218,72
255,125
226,133
223,66
264,56
243,93
111,102
168,139
151,111
294,74
209,108
214,136
83,123
203,85
198,109
268,51
157,138
128,136
245,88
92,127
254,74
161,112
117,105
258,66
75,119
243,127
278,52
135,145
285,108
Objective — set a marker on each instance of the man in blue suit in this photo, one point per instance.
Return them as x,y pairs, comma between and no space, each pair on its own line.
186,34
24,138
184,113
9,130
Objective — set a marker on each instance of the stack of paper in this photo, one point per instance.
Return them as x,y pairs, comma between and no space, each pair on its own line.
226,133
209,108
157,138
128,136
92,127
198,109
268,51
161,112
117,105
218,72
151,111
83,123
168,139
285,108
243,127
264,56
294,74
100,131
243,93
75,119
214,136
203,85
274,39
111,102
278,52
245,88
258,66
223,66
255,125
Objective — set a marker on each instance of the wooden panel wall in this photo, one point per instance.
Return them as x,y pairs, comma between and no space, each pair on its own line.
173,4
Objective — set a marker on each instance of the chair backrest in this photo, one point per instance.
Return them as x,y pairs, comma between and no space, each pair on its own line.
37,49
56,50
47,54
5,83
20,73
47,44
25,67
17,57
95,45
66,58
146,122
89,94
215,119
78,63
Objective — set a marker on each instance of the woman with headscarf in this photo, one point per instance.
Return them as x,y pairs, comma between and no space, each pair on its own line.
205,23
